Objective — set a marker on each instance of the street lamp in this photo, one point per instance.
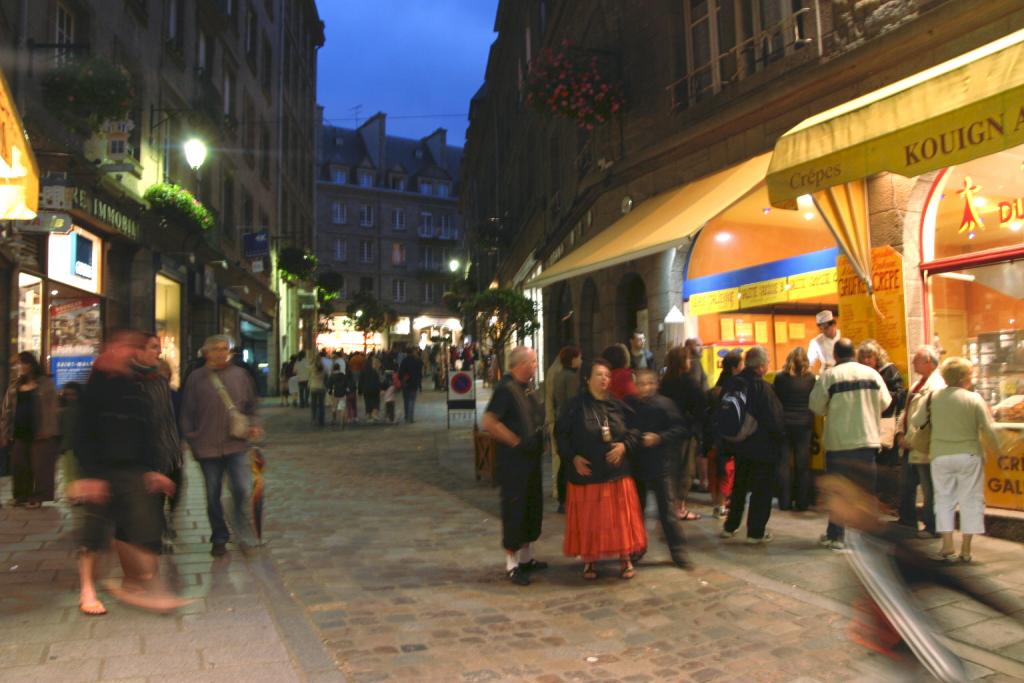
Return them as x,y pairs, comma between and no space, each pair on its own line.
195,153
453,265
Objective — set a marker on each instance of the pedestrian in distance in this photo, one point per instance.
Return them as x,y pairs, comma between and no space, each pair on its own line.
793,387
410,374
317,392
337,384
871,354
851,397
622,384
750,418
661,429
640,357
959,418
602,514
685,391
303,366
370,387
565,386
218,418
29,428
514,419
695,348
119,447
391,388
721,454
916,468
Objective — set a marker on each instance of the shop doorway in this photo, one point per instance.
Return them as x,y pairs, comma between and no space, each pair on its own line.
255,354
589,319
631,306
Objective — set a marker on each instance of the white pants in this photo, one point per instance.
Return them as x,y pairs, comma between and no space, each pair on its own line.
958,481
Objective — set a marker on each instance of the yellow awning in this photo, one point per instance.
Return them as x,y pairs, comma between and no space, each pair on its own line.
956,111
660,222
19,174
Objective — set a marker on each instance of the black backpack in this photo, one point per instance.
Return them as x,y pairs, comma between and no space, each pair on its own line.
732,420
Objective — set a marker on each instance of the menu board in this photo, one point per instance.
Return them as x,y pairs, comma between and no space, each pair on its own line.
858,317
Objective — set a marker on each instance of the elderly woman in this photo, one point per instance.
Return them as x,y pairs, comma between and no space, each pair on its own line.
28,425
603,517
871,354
958,416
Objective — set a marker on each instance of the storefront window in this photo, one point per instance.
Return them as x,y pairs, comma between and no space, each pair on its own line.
30,313
168,323
75,259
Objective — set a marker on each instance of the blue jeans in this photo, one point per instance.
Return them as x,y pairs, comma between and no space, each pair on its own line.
409,398
239,482
857,465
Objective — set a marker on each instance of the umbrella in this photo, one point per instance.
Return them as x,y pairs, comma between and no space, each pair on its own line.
257,462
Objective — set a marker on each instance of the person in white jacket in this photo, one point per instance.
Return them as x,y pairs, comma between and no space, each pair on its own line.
851,397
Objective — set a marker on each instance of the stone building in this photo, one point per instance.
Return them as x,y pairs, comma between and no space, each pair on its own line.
388,221
239,76
764,161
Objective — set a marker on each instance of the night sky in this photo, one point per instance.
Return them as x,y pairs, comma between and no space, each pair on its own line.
405,58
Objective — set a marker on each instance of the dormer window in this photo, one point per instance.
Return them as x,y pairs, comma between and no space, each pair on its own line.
339,175
366,178
398,183
426,187
443,189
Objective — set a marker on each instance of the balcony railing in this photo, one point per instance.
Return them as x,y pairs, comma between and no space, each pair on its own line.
793,34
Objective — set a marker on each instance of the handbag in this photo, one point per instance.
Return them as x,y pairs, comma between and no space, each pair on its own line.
921,439
238,422
887,432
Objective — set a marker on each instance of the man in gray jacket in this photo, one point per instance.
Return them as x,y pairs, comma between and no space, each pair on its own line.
205,422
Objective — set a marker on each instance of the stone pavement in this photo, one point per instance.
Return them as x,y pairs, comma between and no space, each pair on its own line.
382,562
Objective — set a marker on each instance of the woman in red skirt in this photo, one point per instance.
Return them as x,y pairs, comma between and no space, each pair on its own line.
603,517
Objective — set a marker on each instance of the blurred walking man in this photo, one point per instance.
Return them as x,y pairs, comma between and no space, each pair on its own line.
219,397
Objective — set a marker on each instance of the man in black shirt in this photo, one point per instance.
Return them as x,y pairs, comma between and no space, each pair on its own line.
515,420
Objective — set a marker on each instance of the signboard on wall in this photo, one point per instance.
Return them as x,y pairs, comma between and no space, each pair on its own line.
1004,472
858,319
76,332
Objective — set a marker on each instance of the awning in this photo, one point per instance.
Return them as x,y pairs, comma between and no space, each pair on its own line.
19,174
959,110
659,223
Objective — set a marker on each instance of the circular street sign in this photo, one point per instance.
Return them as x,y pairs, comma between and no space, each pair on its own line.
461,383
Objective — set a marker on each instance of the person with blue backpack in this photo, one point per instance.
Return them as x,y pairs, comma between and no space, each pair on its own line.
750,419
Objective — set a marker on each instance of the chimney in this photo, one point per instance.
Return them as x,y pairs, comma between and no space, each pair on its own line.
373,132
436,143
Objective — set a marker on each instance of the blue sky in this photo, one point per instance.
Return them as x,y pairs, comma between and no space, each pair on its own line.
407,58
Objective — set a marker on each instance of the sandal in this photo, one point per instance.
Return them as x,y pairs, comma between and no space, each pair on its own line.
589,572
93,608
628,571
947,558
689,516
966,559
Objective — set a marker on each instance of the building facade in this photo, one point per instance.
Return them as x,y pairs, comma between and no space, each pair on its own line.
388,221
753,172
216,72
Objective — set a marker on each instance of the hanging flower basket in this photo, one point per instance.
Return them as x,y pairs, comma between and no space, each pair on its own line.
572,84
85,93
175,204
329,286
296,264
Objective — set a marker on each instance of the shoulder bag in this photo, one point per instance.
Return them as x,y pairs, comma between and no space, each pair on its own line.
238,422
921,439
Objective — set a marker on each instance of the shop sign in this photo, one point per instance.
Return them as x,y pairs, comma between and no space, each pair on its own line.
75,336
1004,472
812,285
256,244
47,222
763,293
815,284
105,213
858,319
718,301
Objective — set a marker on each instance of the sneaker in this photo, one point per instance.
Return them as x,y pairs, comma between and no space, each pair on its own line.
824,541
724,533
532,565
767,538
838,546
518,577
719,512
219,549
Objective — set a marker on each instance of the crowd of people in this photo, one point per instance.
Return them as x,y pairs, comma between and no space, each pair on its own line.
627,426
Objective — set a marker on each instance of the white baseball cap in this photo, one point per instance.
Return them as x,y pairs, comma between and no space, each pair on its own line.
824,318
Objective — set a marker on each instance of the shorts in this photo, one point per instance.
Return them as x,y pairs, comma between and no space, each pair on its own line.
134,515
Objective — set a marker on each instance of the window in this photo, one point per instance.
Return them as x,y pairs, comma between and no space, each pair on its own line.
339,175
428,261
398,290
366,179
397,254
340,250
446,226
64,33
426,224
175,24
228,206
443,189
428,292
426,187
249,132
229,93
398,219
343,290
247,212
339,213
398,183
366,251
267,68
366,284
251,29
265,153
204,54
366,216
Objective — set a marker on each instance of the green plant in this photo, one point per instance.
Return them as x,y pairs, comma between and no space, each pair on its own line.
503,316
369,315
87,92
296,264
175,204
329,286
571,84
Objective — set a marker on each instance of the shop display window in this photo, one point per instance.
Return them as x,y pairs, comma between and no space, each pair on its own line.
168,324
30,313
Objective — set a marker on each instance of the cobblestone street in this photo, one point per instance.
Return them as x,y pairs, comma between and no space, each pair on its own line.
382,561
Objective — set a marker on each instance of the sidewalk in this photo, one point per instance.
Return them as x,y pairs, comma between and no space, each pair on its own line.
240,627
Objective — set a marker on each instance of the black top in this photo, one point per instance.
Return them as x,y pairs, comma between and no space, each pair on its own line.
24,416
764,445
410,372
578,432
690,399
657,414
894,383
793,393
517,407
369,379
115,431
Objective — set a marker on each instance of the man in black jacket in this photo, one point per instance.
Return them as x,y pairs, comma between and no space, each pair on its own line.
661,427
410,374
757,456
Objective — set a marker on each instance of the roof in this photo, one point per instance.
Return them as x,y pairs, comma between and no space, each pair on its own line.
345,147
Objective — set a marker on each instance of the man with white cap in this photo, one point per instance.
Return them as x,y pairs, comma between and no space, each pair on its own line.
819,351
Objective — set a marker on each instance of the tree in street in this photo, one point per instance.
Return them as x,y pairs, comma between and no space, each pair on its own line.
502,316
369,315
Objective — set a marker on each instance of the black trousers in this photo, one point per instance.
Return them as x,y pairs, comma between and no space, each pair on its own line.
911,476
662,487
33,465
560,481
522,501
757,479
795,469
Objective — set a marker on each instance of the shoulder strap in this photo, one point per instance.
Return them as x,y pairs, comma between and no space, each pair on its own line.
222,391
